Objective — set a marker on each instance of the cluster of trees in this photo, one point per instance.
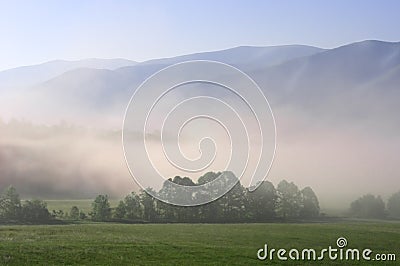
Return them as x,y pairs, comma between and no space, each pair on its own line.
370,206
73,214
238,205
12,210
267,203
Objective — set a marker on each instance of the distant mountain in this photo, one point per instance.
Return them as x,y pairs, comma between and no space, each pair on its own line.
333,81
31,75
246,55
87,89
85,86
341,76
336,110
243,57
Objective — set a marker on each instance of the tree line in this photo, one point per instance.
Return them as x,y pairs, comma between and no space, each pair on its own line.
371,206
12,210
266,203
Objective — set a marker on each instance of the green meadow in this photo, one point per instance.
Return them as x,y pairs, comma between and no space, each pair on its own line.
84,205
187,244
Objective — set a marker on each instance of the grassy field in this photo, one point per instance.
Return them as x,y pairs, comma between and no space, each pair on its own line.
66,205
186,244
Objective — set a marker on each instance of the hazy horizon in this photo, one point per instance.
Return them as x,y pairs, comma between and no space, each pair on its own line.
330,72
74,30
340,140
80,59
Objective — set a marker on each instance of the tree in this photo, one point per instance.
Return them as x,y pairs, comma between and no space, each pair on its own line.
184,213
212,211
120,210
262,202
393,206
170,192
208,177
10,204
35,211
233,204
368,206
133,208
310,203
289,199
82,215
149,206
74,213
101,210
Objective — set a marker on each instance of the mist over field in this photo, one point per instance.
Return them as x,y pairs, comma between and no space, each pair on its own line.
60,162
336,113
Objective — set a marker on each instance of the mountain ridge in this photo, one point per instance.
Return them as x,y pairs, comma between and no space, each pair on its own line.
303,81
32,74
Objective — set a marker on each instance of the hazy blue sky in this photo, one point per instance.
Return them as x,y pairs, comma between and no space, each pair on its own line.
37,31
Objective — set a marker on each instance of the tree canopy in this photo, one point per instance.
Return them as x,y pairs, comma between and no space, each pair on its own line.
393,206
368,206
238,205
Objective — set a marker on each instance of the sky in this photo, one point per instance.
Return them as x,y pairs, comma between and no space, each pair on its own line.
37,31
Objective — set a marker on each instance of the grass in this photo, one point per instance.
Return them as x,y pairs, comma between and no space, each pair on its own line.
84,205
185,244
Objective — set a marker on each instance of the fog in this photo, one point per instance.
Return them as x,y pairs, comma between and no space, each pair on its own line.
340,161
62,162
336,116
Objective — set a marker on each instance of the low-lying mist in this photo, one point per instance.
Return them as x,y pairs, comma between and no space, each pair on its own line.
62,162
336,115
340,162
